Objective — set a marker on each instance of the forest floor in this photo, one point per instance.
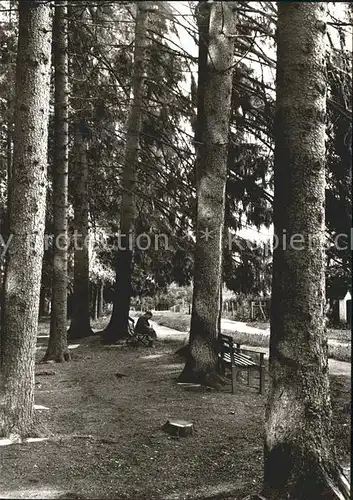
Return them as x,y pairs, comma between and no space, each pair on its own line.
105,437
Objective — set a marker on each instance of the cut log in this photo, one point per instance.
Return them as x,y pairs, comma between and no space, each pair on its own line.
191,387
188,384
179,428
45,373
255,497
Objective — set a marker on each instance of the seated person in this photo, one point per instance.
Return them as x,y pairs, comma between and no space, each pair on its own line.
143,327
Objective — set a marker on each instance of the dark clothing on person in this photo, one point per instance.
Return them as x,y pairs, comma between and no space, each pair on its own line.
143,327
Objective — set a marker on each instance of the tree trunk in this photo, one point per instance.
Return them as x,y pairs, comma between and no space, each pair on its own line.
94,297
26,219
100,300
299,457
57,346
118,325
96,302
42,304
219,318
80,314
216,50
2,289
80,321
5,225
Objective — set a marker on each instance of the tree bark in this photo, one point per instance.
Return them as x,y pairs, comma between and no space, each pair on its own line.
26,219
216,50
43,310
94,298
300,461
57,347
80,322
118,325
100,300
5,225
80,313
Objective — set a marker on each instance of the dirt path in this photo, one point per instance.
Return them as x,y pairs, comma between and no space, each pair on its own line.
169,334
105,438
240,326
165,333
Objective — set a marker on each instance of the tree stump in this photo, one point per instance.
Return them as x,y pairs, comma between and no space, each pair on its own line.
179,428
45,373
191,387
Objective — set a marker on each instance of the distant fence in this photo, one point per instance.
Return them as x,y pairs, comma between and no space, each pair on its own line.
247,309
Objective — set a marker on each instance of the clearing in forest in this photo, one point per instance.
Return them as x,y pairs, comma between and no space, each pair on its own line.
106,438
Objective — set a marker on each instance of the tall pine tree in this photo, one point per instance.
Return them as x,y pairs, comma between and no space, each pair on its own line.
299,455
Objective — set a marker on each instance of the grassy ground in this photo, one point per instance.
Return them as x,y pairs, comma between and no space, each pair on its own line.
106,437
339,340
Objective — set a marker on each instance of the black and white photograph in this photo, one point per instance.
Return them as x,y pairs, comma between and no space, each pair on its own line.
175,250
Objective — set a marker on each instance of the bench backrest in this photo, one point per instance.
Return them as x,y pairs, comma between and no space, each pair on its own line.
231,349
226,346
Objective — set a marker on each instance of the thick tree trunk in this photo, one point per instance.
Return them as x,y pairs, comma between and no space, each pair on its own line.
27,219
57,347
216,50
80,313
299,456
80,321
118,325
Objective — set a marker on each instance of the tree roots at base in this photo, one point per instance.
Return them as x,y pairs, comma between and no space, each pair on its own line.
79,333
209,378
58,357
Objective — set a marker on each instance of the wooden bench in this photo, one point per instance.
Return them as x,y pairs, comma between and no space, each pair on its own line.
234,358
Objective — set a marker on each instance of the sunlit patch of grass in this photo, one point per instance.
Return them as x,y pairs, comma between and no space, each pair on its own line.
338,348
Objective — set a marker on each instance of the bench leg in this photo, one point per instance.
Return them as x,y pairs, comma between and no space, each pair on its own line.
250,377
234,378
